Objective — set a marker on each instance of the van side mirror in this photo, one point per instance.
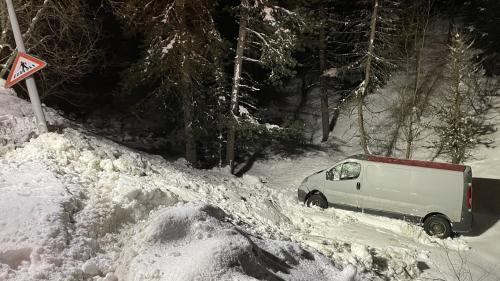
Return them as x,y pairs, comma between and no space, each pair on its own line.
329,175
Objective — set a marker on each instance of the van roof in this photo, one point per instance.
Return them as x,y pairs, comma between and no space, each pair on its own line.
408,162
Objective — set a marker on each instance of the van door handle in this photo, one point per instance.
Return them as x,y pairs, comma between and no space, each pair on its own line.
358,186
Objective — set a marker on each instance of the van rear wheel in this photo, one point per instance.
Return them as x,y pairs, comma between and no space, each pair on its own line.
437,226
317,200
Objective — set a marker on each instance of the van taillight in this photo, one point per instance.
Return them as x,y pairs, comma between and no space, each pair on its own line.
469,197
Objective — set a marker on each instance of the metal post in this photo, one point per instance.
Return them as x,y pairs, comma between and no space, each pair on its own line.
30,81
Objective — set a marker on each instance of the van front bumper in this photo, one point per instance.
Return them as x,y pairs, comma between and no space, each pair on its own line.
301,194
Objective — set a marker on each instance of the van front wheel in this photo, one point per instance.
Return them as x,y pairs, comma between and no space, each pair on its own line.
437,226
317,200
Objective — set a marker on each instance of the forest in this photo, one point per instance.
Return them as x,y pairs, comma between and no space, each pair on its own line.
203,75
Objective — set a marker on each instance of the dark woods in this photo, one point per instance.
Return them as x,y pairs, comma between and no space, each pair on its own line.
200,74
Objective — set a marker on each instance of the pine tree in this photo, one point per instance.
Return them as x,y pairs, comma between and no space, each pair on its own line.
266,39
482,20
463,105
176,58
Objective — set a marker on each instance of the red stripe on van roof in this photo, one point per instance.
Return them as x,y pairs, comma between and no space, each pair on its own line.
418,163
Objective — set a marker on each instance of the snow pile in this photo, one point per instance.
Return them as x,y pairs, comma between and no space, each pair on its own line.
73,226
100,222
34,220
117,214
191,242
17,119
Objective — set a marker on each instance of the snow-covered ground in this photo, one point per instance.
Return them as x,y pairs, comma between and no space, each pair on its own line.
74,206
469,257
78,207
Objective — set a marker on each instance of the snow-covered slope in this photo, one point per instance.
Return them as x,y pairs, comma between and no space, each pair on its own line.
78,207
17,119
95,210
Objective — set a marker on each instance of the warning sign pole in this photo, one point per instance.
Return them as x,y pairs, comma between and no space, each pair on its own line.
30,81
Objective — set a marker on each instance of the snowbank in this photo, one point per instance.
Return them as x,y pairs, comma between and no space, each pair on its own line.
106,212
77,207
17,119
114,220
191,242
34,220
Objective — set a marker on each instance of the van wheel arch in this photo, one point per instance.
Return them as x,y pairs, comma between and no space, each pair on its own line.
439,219
317,198
434,214
314,191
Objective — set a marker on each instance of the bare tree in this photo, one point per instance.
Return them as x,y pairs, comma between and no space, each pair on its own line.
364,87
376,59
325,114
415,32
63,33
235,91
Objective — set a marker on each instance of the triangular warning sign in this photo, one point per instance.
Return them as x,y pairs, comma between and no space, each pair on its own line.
24,66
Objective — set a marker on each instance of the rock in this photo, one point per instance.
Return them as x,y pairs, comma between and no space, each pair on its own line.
89,268
110,277
349,273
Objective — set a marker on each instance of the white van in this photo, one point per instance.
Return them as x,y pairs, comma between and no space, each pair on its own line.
438,195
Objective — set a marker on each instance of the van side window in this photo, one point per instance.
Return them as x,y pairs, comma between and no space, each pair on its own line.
350,170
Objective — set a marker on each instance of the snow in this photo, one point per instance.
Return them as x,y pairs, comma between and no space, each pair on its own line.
32,228
487,158
192,242
403,247
268,15
16,119
170,45
106,212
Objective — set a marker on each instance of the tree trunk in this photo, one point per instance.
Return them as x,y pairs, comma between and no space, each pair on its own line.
457,157
325,116
187,103
187,96
419,41
4,24
366,83
411,134
235,91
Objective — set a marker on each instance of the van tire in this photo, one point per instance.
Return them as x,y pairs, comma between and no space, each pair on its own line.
317,200
437,226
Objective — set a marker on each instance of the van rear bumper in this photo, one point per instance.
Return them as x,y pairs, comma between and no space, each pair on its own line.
465,225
